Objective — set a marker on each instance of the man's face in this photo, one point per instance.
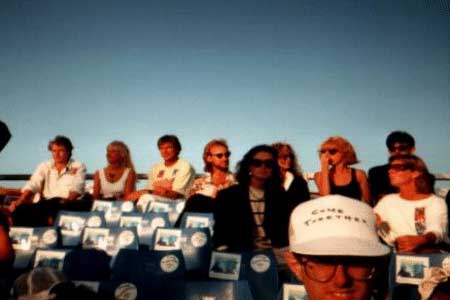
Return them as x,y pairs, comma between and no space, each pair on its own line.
400,149
333,278
168,152
59,154
219,157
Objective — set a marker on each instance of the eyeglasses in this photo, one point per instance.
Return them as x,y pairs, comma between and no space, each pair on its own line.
332,151
220,155
268,163
398,148
324,269
401,167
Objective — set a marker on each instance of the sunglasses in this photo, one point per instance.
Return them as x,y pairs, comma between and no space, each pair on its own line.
332,151
220,155
268,163
399,148
401,167
284,157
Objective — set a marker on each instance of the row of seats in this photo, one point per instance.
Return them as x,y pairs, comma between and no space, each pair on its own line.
163,258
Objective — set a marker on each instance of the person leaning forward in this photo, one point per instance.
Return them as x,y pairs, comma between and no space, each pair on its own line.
335,250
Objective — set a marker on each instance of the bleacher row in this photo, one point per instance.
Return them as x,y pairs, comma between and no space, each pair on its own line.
147,244
153,250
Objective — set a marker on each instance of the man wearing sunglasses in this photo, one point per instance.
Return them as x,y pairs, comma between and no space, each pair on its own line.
216,156
335,250
398,143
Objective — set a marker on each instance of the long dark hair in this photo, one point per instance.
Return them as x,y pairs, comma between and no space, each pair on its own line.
243,167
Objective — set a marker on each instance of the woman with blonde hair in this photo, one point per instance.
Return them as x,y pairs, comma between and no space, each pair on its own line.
413,220
118,179
336,176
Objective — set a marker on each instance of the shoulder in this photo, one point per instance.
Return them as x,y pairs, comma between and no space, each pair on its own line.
387,201
157,166
299,181
201,180
77,164
437,200
45,164
360,174
232,190
183,164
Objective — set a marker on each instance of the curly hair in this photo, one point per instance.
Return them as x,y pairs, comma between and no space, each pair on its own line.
295,167
243,167
343,146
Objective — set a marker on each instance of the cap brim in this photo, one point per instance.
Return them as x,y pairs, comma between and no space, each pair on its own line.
341,247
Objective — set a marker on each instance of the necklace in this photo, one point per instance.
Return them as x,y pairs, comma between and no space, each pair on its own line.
256,194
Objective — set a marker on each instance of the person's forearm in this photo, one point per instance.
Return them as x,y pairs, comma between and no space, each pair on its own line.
167,193
73,196
430,238
24,197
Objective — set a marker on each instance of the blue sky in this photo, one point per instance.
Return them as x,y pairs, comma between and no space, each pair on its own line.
248,71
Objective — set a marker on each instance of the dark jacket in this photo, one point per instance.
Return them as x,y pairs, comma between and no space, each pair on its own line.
297,193
234,222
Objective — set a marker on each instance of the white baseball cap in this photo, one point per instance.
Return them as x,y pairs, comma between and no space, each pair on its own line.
335,225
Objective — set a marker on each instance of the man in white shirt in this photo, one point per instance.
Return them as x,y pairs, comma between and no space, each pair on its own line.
172,177
60,180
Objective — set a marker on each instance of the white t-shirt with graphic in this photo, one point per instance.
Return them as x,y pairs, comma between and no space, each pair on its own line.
406,217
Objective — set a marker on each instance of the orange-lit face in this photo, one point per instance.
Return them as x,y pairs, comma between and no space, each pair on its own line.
284,159
168,152
59,154
219,157
114,155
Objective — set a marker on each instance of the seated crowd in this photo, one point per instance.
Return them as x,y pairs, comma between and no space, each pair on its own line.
266,203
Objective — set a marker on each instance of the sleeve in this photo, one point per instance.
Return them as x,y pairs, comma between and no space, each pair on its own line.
438,219
220,221
79,179
36,180
151,178
383,227
183,179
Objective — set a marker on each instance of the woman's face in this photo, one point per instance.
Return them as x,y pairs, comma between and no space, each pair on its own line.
114,155
284,159
401,172
331,153
261,166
